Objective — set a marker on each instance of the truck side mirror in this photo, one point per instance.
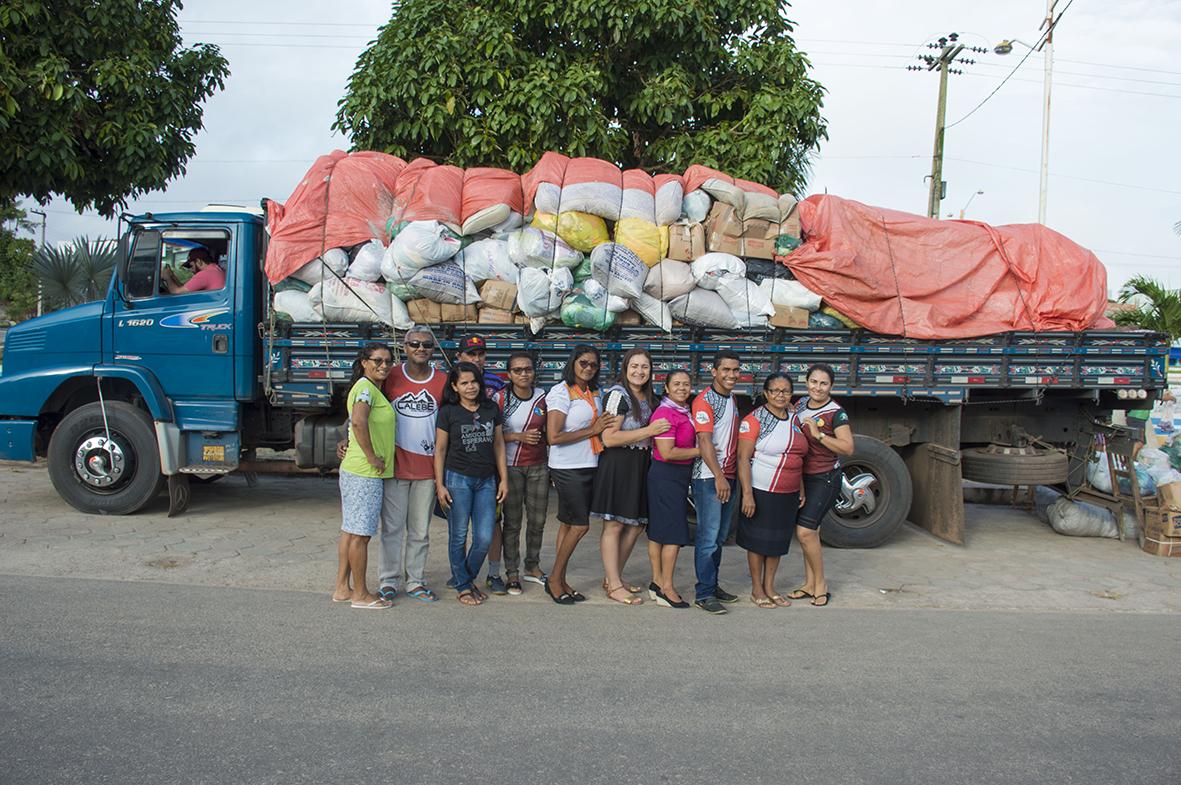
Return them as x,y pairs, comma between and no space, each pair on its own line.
142,264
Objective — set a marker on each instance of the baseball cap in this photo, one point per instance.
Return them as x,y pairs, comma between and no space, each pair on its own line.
197,253
471,343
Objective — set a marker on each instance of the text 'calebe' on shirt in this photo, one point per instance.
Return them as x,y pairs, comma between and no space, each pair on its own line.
520,415
470,438
416,404
579,415
780,446
717,415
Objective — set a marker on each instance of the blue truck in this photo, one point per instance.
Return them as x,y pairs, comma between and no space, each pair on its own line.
146,391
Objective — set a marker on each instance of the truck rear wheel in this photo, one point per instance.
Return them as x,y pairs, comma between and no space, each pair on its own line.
97,476
882,473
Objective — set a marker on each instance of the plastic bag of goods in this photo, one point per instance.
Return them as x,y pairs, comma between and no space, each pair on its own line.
297,305
445,283
642,237
669,280
792,294
486,260
582,271
420,244
333,263
703,308
540,292
351,300
695,206
581,231
578,310
402,290
654,312
530,247
710,268
840,317
619,269
750,306
822,321
491,197
366,265
1079,519
639,196
670,195
599,295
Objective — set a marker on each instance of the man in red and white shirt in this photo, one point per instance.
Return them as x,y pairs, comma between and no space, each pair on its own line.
523,406
715,418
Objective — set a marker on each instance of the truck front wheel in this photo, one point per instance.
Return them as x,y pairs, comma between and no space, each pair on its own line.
94,475
869,521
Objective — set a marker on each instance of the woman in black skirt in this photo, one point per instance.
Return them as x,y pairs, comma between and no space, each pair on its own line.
771,450
620,496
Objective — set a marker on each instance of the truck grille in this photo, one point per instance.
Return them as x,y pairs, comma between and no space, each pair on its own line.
31,341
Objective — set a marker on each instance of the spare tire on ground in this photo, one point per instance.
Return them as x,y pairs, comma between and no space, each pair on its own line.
1003,465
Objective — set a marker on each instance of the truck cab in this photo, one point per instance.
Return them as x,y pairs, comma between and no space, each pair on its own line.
145,385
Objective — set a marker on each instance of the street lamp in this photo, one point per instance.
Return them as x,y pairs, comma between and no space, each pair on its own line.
1047,44
964,209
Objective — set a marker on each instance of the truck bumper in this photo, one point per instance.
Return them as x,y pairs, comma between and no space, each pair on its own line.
17,438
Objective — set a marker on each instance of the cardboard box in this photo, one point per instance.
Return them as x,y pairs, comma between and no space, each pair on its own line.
458,313
1169,495
787,316
1156,537
758,248
500,295
521,319
790,222
718,242
686,241
425,311
495,316
628,318
754,238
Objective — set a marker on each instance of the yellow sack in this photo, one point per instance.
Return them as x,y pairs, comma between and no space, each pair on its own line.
581,231
845,320
642,237
663,242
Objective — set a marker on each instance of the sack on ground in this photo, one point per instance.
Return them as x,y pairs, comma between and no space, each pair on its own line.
297,305
703,308
332,264
746,301
793,294
619,269
669,280
530,247
540,291
1079,519
445,283
709,268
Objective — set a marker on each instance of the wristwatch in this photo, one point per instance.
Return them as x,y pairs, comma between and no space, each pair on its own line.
820,438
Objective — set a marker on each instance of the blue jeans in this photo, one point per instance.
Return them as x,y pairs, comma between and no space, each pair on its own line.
713,527
472,499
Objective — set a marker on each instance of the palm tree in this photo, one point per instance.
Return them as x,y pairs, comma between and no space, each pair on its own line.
1158,308
78,273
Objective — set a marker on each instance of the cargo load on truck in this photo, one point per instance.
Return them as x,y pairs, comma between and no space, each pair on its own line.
701,248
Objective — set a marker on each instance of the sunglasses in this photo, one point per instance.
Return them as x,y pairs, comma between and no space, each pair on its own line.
588,363
420,344
377,361
522,369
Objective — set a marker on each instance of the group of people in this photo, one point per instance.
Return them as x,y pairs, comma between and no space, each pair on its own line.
483,451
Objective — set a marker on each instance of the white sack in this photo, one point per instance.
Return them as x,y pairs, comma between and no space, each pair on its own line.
619,269
297,305
598,294
367,265
792,294
762,206
490,217
669,198
728,193
547,198
746,301
351,300
513,222
421,244
695,206
531,247
709,268
540,292
1079,519
332,264
601,199
638,203
399,314
445,283
669,280
486,260
703,308
654,312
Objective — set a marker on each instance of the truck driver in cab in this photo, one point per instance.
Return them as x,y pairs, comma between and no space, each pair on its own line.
207,277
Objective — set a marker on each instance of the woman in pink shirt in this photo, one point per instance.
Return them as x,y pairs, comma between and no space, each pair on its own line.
668,488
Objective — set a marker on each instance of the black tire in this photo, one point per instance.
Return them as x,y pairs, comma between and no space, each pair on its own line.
1014,465
893,490
130,483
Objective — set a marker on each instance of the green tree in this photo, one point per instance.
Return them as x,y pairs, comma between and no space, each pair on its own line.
1157,308
18,288
657,84
99,101
78,273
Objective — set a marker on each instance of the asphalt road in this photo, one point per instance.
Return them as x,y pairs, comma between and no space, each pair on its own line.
121,682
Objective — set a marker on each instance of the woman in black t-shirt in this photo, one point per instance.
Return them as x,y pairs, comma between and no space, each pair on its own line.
471,476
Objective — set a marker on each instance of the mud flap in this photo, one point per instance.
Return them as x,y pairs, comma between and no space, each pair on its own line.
178,494
934,467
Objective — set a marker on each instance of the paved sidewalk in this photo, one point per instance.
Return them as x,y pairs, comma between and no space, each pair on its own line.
281,535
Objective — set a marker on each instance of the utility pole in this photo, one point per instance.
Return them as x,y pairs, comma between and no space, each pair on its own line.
949,50
1047,47
40,303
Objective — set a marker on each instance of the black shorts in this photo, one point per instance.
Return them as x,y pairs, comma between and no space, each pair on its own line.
820,494
574,488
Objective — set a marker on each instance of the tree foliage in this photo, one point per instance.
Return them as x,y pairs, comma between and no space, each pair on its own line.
78,273
18,289
1158,308
99,102
657,84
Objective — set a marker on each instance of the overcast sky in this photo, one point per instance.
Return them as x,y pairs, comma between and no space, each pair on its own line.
1115,158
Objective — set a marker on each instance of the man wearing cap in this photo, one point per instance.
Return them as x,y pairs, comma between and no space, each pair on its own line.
474,350
208,277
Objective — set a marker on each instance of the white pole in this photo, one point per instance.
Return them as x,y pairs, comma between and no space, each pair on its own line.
1049,77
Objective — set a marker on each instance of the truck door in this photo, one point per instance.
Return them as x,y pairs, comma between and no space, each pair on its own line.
184,338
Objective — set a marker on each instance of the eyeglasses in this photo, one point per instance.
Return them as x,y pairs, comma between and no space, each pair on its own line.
377,361
588,363
780,391
522,369
420,344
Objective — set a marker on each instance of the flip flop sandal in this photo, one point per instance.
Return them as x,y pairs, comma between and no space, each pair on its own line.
481,596
377,605
826,597
762,602
470,595
798,594
422,594
780,600
539,580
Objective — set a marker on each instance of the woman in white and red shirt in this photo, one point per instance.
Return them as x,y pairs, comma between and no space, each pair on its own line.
771,450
